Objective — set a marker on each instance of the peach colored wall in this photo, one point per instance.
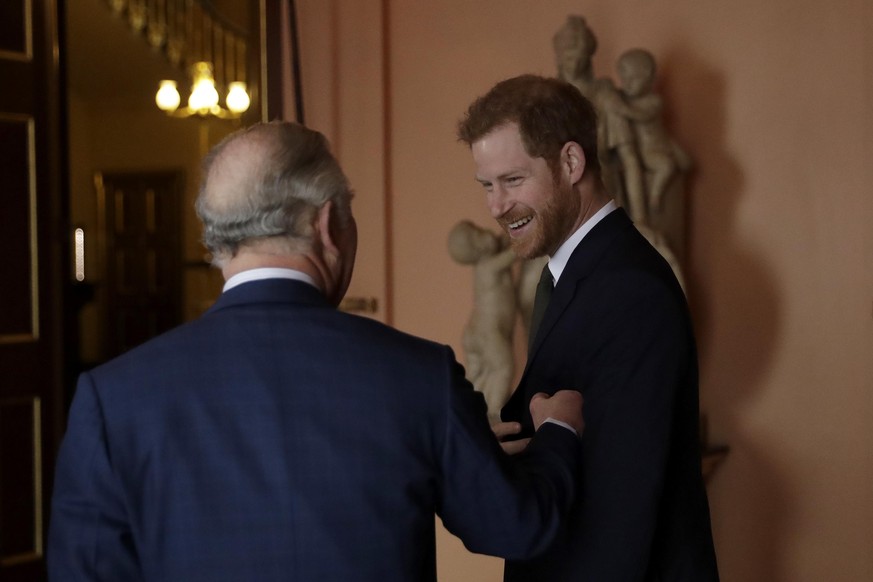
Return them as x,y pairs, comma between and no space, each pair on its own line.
774,100
341,62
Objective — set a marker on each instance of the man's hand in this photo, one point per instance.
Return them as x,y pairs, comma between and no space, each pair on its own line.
563,405
505,429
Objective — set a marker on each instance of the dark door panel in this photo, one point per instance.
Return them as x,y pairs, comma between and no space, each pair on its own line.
32,283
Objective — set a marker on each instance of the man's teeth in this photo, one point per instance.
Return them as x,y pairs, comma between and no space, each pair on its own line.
520,222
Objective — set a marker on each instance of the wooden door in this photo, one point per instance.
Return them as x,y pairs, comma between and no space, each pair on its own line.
32,282
142,226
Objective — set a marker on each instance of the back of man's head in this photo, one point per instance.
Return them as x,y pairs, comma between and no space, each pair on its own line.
549,113
267,182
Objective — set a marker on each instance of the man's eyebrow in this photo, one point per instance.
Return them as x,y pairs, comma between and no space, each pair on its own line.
501,177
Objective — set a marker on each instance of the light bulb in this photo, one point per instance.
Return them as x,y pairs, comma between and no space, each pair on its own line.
203,97
167,98
237,98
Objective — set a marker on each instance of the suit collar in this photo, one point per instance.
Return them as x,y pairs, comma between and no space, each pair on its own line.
261,273
590,250
270,291
558,261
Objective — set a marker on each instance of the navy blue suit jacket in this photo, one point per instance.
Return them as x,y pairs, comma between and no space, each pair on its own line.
618,330
276,438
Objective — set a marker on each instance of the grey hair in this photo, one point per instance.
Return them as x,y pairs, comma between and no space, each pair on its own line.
275,191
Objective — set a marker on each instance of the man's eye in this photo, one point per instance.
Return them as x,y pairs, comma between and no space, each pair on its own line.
513,180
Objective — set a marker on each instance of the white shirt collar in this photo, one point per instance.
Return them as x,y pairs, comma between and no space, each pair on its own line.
558,261
267,273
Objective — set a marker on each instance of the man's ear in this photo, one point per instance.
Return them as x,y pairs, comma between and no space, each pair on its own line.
326,225
573,161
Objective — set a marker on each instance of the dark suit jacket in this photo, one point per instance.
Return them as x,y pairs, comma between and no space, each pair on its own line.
276,438
617,329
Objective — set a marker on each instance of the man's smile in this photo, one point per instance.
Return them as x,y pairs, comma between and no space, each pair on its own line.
514,226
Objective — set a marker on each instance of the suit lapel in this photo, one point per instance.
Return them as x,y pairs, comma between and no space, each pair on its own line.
582,262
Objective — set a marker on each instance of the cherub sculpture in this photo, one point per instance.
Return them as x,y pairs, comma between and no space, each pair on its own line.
487,337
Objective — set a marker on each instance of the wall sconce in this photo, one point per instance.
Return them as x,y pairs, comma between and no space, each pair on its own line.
204,98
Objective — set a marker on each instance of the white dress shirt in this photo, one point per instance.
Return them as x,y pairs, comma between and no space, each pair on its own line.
267,273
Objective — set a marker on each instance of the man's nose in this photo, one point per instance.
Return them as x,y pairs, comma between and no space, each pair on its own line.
498,202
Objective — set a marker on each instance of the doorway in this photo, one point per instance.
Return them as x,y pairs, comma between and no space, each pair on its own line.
83,100
136,283
141,217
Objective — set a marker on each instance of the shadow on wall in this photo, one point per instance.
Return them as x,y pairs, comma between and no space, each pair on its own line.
735,302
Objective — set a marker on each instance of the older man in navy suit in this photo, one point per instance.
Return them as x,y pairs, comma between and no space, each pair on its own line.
615,326
277,438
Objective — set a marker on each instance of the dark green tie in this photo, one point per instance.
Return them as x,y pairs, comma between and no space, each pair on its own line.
541,301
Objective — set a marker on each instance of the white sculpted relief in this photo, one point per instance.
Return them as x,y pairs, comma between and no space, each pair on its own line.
487,338
642,165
